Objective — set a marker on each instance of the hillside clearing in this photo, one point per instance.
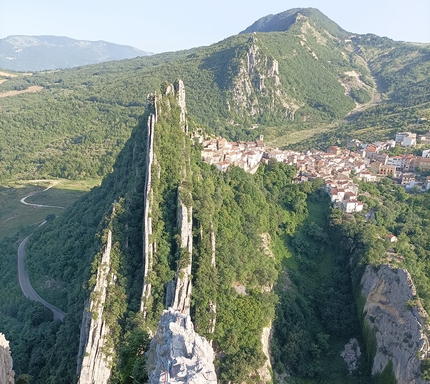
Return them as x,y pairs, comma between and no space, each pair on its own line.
32,89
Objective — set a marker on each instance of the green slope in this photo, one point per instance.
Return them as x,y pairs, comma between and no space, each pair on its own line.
75,126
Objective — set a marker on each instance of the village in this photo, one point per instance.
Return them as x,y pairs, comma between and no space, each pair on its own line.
337,167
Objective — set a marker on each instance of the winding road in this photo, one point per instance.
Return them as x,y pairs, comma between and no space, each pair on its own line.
24,280
26,286
40,205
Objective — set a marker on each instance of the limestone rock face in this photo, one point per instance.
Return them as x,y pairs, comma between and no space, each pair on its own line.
396,321
6,373
96,364
182,299
177,354
148,246
258,79
180,95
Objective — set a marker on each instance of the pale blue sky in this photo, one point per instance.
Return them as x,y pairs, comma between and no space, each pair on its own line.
171,25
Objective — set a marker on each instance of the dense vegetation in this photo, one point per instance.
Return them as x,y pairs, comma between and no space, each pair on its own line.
247,215
275,262
77,124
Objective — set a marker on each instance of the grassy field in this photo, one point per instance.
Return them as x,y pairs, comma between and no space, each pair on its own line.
15,216
275,137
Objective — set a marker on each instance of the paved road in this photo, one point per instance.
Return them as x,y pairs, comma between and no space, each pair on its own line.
26,287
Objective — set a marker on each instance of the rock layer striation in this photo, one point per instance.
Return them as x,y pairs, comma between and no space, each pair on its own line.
396,321
96,363
177,354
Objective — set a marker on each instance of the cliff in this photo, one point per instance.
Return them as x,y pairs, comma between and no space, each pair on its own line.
6,363
96,362
178,354
396,322
182,299
148,246
257,87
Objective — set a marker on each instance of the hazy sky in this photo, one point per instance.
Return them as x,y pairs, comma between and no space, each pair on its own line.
171,25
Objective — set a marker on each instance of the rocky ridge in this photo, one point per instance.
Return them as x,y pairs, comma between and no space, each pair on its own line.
258,87
6,364
95,367
396,321
177,354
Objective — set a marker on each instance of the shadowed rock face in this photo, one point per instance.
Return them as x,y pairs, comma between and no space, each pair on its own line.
96,363
397,323
178,354
6,372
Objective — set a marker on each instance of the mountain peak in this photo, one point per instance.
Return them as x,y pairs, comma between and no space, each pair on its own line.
284,20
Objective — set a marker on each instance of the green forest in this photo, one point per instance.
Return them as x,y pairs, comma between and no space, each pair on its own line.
76,125
303,282
285,258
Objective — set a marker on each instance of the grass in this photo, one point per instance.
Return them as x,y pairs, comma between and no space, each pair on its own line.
15,216
276,138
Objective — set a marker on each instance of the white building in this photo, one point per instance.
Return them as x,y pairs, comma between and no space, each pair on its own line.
352,205
406,139
367,176
397,161
222,166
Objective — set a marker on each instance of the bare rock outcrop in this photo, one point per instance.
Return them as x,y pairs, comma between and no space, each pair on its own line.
180,96
6,364
396,321
177,354
148,245
96,364
351,354
258,78
182,299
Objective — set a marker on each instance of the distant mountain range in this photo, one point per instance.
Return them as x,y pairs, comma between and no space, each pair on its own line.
38,53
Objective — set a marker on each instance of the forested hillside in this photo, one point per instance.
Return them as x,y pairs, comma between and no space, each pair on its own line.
42,53
308,76
274,262
261,226
266,253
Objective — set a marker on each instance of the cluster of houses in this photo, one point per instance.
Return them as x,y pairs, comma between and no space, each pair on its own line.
222,154
336,166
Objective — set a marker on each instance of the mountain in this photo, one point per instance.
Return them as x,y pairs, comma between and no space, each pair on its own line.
40,53
284,20
305,79
249,259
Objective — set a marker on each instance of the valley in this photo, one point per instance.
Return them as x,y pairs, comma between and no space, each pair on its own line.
172,264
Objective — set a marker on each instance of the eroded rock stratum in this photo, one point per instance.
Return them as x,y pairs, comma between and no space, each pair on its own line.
396,322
